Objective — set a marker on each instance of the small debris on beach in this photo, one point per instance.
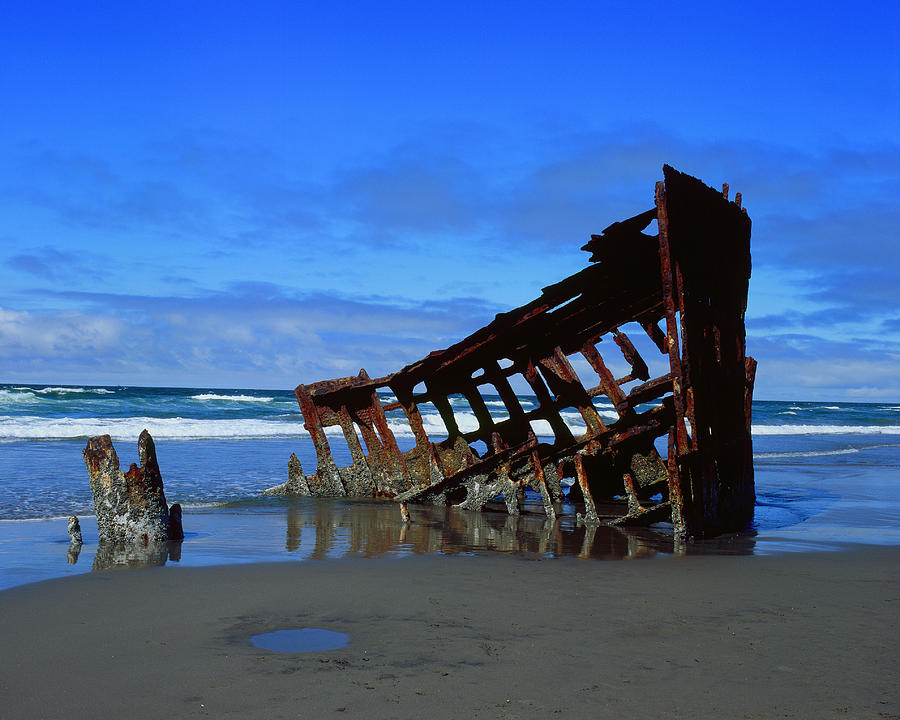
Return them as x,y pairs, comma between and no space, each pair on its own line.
75,540
74,528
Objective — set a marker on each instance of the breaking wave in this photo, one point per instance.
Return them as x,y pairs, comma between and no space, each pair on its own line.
17,396
232,398
825,429
803,454
34,427
66,390
40,428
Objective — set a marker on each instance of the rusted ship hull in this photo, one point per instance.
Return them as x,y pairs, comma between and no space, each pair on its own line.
685,287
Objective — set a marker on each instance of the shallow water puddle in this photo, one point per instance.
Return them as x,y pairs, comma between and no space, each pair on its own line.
302,640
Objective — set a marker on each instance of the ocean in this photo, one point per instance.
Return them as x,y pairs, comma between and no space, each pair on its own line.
826,474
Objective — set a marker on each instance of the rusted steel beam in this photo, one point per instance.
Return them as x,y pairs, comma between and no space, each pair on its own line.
608,385
639,368
649,390
691,275
655,334
590,509
678,432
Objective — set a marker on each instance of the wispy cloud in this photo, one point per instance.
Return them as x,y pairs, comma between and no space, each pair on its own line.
794,365
255,330
27,336
49,264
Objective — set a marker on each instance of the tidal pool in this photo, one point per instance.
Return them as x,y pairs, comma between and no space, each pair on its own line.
301,640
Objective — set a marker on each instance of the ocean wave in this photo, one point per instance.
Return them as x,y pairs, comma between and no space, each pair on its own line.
18,395
67,391
799,454
467,422
825,429
36,427
232,398
41,428
460,401
13,428
24,394
787,412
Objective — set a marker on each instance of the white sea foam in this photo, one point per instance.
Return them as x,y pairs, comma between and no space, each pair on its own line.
799,454
47,390
66,390
39,428
542,428
826,429
34,427
467,422
232,398
787,412
18,395
435,425
33,395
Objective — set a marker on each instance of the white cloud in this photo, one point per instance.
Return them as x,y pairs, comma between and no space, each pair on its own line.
59,334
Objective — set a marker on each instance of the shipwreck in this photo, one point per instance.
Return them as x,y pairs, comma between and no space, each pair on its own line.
679,450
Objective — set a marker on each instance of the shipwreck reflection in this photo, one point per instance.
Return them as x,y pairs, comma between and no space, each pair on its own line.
324,528
330,528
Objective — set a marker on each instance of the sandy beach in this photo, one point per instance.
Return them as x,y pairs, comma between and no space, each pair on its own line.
793,635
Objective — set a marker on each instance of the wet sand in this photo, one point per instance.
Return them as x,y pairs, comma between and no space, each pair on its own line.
795,635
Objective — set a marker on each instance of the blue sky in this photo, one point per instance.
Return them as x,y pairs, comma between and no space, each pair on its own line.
261,194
